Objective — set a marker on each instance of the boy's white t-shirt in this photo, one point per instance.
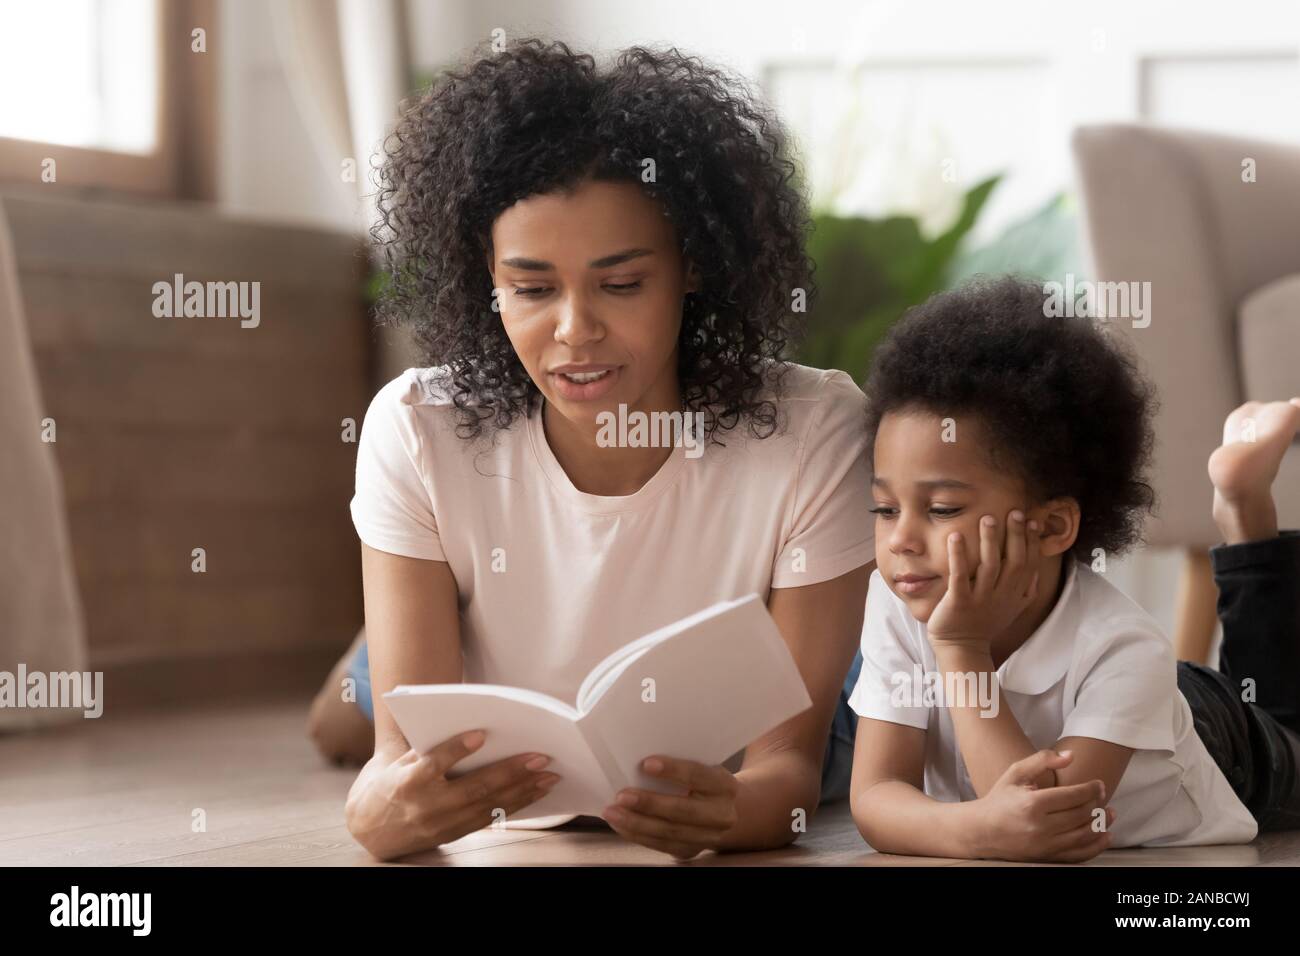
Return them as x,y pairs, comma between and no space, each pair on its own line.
552,579
1099,667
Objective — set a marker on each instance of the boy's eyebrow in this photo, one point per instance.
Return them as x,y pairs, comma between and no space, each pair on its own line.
604,262
933,483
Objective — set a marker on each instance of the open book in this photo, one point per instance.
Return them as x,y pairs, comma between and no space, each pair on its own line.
700,689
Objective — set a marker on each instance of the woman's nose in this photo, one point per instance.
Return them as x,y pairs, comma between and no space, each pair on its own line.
576,324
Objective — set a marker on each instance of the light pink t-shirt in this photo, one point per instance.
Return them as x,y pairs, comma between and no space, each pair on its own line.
552,579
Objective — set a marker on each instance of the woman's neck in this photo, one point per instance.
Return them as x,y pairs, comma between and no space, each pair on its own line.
607,470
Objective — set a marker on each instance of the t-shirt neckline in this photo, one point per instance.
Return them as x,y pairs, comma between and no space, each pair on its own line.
598,504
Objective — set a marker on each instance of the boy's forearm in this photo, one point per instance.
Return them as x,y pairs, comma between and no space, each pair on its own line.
894,817
989,744
771,793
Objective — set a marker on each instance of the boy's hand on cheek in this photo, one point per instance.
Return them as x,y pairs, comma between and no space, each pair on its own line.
973,612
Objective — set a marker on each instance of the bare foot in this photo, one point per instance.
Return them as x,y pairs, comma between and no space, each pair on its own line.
1243,468
341,732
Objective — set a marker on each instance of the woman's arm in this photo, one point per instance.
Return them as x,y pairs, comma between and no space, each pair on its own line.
401,802
781,772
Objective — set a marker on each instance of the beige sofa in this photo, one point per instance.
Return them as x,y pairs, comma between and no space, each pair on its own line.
1178,209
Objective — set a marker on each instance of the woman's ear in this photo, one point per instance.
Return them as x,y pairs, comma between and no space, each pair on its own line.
1058,521
693,281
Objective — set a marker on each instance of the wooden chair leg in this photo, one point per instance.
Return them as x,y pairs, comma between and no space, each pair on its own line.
1196,613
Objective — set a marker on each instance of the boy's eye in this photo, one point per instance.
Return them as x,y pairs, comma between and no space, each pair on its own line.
884,511
944,512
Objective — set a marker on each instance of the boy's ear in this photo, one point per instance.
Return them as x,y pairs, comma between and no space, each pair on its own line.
1059,525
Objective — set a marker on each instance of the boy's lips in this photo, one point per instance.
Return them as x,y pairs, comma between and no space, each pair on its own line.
913,584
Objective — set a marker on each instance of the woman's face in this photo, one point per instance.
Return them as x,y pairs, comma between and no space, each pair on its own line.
590,289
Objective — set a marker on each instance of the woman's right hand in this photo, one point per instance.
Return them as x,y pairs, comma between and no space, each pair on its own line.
403,804
1022,822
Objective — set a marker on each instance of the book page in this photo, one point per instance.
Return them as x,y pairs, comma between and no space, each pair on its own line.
516,721
702,693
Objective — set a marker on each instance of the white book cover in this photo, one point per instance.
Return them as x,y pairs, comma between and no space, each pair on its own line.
699,689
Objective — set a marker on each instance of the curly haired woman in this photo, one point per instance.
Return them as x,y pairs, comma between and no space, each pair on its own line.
567,241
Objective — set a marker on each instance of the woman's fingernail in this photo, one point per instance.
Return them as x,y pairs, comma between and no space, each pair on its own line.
473,738
548,781
1033,526
1017,516
538,762
627,799
615,815
988,521
653,765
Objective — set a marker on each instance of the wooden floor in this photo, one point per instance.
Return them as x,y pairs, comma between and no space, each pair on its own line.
124,791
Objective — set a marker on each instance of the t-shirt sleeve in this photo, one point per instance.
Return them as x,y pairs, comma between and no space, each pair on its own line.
391,508
1127,691
832,531
888,683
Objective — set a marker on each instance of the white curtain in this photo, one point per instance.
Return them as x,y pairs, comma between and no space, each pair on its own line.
348,67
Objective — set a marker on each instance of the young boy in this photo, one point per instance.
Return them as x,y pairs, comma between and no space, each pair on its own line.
1013,703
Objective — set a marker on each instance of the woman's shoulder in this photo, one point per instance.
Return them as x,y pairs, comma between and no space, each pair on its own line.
814,401
788,383
418,387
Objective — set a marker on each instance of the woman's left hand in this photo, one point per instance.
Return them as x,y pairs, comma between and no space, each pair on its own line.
681,826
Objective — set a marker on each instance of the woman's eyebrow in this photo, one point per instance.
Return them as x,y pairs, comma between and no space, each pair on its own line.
604,262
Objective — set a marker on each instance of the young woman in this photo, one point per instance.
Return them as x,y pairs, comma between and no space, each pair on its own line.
568,241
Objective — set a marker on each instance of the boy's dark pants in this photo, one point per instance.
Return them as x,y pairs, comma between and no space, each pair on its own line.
1255,741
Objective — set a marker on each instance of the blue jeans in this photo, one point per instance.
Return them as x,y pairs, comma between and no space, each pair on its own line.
837,768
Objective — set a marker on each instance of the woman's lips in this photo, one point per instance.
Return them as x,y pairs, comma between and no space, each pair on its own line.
914,584
587,391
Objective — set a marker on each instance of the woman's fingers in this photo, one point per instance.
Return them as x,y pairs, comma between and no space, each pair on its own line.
694,776
666,835
499,806
693,810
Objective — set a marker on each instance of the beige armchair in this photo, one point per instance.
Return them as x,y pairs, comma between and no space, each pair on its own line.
1213,223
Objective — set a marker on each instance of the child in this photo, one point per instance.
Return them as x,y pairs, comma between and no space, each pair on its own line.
1009,454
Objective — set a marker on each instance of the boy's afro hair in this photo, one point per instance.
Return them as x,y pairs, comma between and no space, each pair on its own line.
1063,401
537,118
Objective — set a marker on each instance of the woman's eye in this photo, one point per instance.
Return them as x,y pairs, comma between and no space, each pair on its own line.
944,512
531,291
625,287
884,511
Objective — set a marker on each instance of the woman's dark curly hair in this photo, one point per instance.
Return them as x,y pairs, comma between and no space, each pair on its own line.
1064,403
538,118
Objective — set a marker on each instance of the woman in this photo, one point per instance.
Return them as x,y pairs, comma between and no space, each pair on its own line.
569,242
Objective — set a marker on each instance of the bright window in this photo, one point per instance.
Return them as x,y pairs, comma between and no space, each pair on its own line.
80,73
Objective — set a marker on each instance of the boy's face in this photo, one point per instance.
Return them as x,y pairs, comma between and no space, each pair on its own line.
925,488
